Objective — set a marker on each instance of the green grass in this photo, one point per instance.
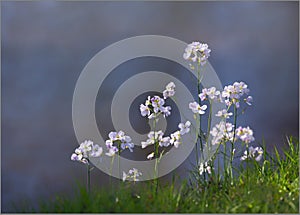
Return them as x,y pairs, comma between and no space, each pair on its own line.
272,187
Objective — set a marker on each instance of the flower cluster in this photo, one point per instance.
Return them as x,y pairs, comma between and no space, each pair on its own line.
86,150
197,52
154,106
222,132
245,134
254,153
169,91
121,142
209,93
233,94
132,174
157,137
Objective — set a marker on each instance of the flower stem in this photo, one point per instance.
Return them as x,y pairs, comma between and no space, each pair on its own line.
88,178
155,155
232,142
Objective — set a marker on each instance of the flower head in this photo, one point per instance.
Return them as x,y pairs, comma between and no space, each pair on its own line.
233,94
254,153
132,174
118,141
169,91
197,52
153,137
184,127
176,139
224,114
154,105
196,108
210,93
222,132
245,134
85,150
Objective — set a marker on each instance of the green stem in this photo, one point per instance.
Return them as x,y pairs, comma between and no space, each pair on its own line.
88,178
111,167
224,163
155,155
232,142
209,121
247,167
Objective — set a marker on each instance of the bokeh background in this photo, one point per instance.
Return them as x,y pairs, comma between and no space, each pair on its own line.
45,45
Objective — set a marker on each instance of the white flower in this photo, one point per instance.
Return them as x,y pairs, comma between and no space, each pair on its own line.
211,93
157,103
153,106
152,138
123,140
166,111
76,157
184,127
116,135
169,91
96,151
196,108
85,150
86,147
164,142
150,156
248,100
112,151
245,134
255,153
145,110
222,132
175,139
127,145
197,52
224,114
133,175
204,168
233,94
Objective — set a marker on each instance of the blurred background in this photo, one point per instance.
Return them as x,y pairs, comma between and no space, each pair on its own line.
45,45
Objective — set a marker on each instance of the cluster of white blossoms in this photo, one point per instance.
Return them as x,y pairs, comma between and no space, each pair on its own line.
222,132
154,106
118,141
169,91
157,137
210,93
245,134
254,153
197,52
132,175
86,150
234,93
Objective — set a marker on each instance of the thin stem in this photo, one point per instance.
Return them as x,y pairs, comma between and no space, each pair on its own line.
88,178
209,121
224,163
155,155
111,167
232,142
199,101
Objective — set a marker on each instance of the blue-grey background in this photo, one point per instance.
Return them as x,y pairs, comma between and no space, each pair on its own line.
45,46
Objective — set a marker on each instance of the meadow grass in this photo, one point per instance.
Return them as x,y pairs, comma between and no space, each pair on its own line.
272,186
